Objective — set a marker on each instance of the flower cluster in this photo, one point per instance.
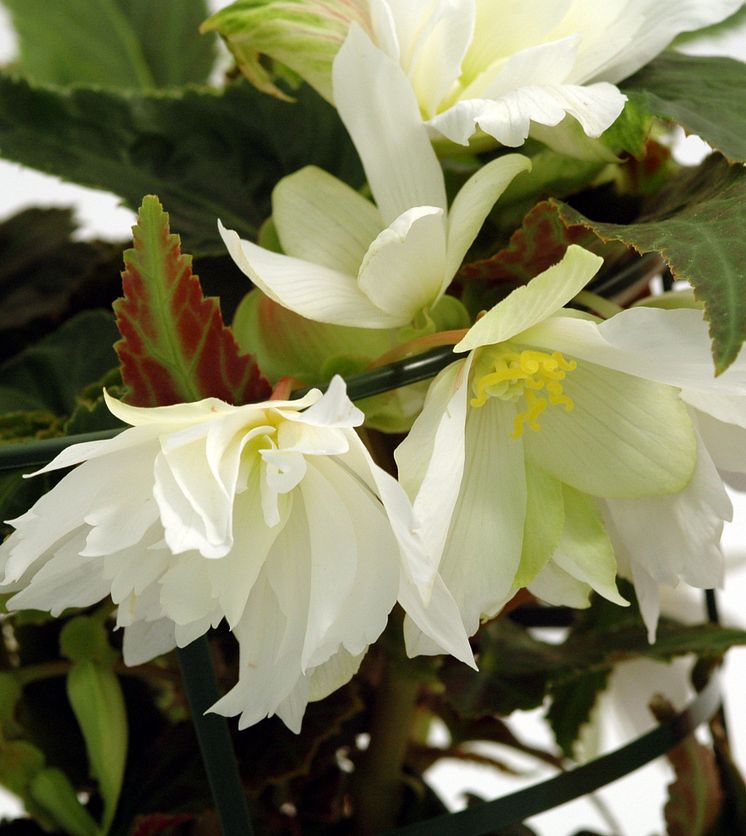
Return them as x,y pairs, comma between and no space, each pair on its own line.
557,452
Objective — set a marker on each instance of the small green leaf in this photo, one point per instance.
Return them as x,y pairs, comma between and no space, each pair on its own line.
19,763
697,227
168,143
51,789
96,698
705,95
174,346
10,693
134,44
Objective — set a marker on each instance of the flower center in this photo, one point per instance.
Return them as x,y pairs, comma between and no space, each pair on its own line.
503,372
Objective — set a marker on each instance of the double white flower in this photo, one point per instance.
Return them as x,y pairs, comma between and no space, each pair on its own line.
561,443
502,67
271,515
346,261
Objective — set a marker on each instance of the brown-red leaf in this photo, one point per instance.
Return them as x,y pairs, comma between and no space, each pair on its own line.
175,347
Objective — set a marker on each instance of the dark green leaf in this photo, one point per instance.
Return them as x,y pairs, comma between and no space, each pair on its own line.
571,707
48,375
135,44
42,270
207,154
705,95
697,227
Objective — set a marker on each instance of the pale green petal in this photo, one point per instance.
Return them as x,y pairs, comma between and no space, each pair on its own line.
557,587
310,290
402,272
322,220
625,437
585,551
545,519
378,107
508,27
537,300
484,544
473,203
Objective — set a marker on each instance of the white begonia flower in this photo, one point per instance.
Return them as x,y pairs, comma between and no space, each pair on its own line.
270,515
346,261
504,67
560,441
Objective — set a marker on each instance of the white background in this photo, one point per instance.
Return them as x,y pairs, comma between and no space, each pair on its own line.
633,804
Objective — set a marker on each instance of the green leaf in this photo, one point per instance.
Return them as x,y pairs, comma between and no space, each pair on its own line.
96,698
48,375
135,44
705,95
695,797
52,791
41,269
697,227
174,346
208,154
572,706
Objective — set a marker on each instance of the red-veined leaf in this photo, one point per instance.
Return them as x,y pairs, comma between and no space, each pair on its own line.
175,347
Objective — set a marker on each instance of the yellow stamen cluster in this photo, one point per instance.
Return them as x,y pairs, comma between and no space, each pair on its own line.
512,374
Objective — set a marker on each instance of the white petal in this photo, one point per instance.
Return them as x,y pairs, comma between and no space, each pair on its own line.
431,457
429,41
725,443
144,640
670,346
310,290
483,550
625,437
334,673
474,202
333,409
322,220
662,21
676,537
403,271
334,559
186,591
362,608
534,302
559,588
378,107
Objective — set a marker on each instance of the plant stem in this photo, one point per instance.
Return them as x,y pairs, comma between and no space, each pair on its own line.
214,739
378,784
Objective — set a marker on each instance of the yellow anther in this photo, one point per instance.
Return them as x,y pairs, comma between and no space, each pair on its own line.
502,372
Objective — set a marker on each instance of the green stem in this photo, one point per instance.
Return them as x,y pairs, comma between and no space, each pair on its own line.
214,739
594,302
378,783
